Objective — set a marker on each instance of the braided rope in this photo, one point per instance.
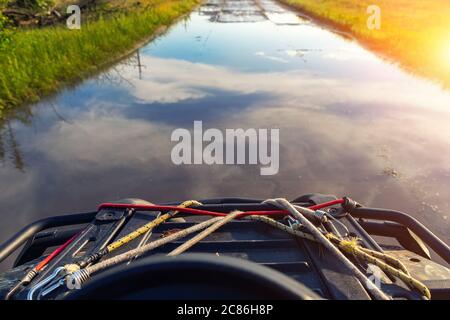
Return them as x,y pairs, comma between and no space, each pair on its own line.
299,213
149,246
385,262
182,248
149,226
353,248
387,258
282,226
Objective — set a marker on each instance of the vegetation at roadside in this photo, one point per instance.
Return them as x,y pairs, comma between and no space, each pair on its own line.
415,33
37,61
5,32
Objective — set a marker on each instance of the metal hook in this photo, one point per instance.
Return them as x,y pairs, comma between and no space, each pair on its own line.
52,286
44,282
293,223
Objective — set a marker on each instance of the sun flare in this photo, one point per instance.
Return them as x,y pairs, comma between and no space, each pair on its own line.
446,54
442,54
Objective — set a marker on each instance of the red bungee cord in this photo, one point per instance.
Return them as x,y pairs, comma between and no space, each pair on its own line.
144,207
52,255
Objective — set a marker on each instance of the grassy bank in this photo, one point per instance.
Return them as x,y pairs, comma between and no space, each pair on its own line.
39,61
415,33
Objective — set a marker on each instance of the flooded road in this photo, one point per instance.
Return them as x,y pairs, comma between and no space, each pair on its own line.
350,123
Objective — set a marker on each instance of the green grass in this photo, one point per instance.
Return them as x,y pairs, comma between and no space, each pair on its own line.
41,61
415,33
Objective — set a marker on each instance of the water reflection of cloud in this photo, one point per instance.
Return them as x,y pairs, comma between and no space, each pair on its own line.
168,92
270,57
359,117
217,104
176,80
347,54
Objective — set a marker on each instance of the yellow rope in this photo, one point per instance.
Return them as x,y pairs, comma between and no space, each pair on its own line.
145,228
385,262
387,258
352,247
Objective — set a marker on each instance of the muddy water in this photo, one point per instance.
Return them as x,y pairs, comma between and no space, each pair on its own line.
350,123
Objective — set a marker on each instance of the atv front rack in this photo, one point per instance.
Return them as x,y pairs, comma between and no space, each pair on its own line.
306,266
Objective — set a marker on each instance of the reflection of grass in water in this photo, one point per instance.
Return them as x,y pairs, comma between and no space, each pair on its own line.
40,61
16,155
414,32
8,143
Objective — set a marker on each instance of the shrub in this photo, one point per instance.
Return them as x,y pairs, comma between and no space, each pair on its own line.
34,4
5,31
